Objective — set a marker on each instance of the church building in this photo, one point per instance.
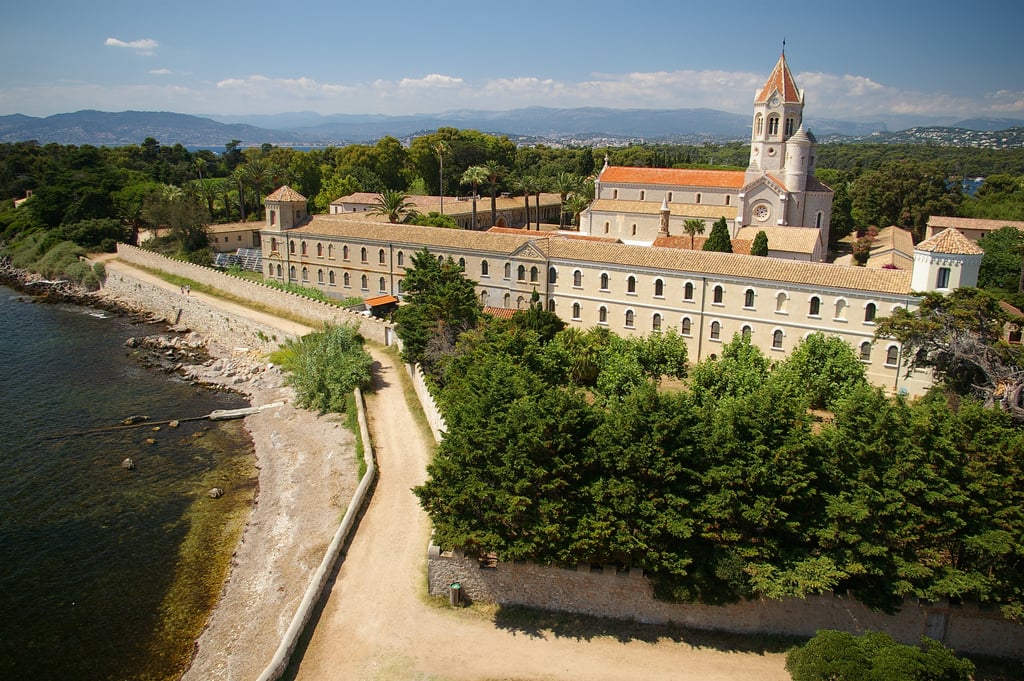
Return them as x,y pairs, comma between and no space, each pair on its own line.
778,193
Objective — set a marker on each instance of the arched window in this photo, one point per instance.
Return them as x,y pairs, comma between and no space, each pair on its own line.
688,291
631,284
344,252
507,301
790,126
615,195
716,330
346,280
604,281
291,247
519,302
748,298
865,351
382,285
551,305
781,302
818,217
758,124
362,254
629,319
273,244
484,268
814,309
577,278
278,271
508,270
669,197
330,251
717,295
521,273
892,356
659,288
319,250
686,327
869,312
552,275
291,273
319,276
656,322
533,274
841,309
777,339
728,199
697,199
401,259
746,332
773,125
380,256
303,248
575,310
401,286
330,278
606,227
364,283
602,315
440,259
462,263
483,298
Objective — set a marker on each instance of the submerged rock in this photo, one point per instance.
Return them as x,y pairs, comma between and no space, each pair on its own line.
215,493
128,464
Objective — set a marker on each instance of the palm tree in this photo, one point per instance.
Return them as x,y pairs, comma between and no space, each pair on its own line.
574,205
565,184
474,175
494,171
441,147
393,204
693,227
258,174
238,177
527,184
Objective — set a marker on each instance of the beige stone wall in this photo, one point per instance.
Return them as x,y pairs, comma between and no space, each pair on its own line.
300,308
608,592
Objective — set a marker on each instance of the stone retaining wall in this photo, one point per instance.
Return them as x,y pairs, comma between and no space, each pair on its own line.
289,305
230,330
608,592
430,410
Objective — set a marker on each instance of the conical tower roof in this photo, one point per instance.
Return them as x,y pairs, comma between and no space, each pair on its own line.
780,81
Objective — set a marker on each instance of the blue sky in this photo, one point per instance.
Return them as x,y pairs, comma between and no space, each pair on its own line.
869,61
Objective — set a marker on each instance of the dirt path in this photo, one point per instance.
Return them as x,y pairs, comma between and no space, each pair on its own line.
376,625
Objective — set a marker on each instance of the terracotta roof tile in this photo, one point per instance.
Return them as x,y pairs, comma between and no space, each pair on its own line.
499,312
285,193
740,246
781,81
949,241
788,239
674,177
937,221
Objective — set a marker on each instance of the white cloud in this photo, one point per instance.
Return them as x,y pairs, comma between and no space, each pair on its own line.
160,72
434,80
145,46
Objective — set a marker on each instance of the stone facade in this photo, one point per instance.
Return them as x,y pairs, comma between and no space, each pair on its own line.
626,594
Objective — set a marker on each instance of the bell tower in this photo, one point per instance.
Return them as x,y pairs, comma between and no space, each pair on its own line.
778,115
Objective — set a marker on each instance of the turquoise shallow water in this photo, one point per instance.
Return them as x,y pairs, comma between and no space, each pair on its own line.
87,549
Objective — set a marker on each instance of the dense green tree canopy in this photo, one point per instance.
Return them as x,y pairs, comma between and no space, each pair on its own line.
719,239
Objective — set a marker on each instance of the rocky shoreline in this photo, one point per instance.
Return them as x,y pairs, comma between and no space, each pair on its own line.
306,474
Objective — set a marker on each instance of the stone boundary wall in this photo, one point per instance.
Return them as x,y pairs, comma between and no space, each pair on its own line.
318,582
287,304
430,410
179,310
627,594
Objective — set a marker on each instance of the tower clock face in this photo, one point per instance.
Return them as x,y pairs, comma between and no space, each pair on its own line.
774,101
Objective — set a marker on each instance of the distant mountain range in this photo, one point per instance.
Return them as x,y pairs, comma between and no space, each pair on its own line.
588,125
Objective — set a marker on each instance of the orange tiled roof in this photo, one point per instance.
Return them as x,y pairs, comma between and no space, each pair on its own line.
781,81
949,241
740,246
285,193
674,177
499,312
980,224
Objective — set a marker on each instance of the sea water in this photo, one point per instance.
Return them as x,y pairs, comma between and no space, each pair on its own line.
89,549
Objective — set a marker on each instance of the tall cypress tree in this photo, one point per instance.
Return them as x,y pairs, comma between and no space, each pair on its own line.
760,245
719,239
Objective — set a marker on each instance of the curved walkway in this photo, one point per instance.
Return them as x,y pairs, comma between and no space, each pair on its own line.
376,624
